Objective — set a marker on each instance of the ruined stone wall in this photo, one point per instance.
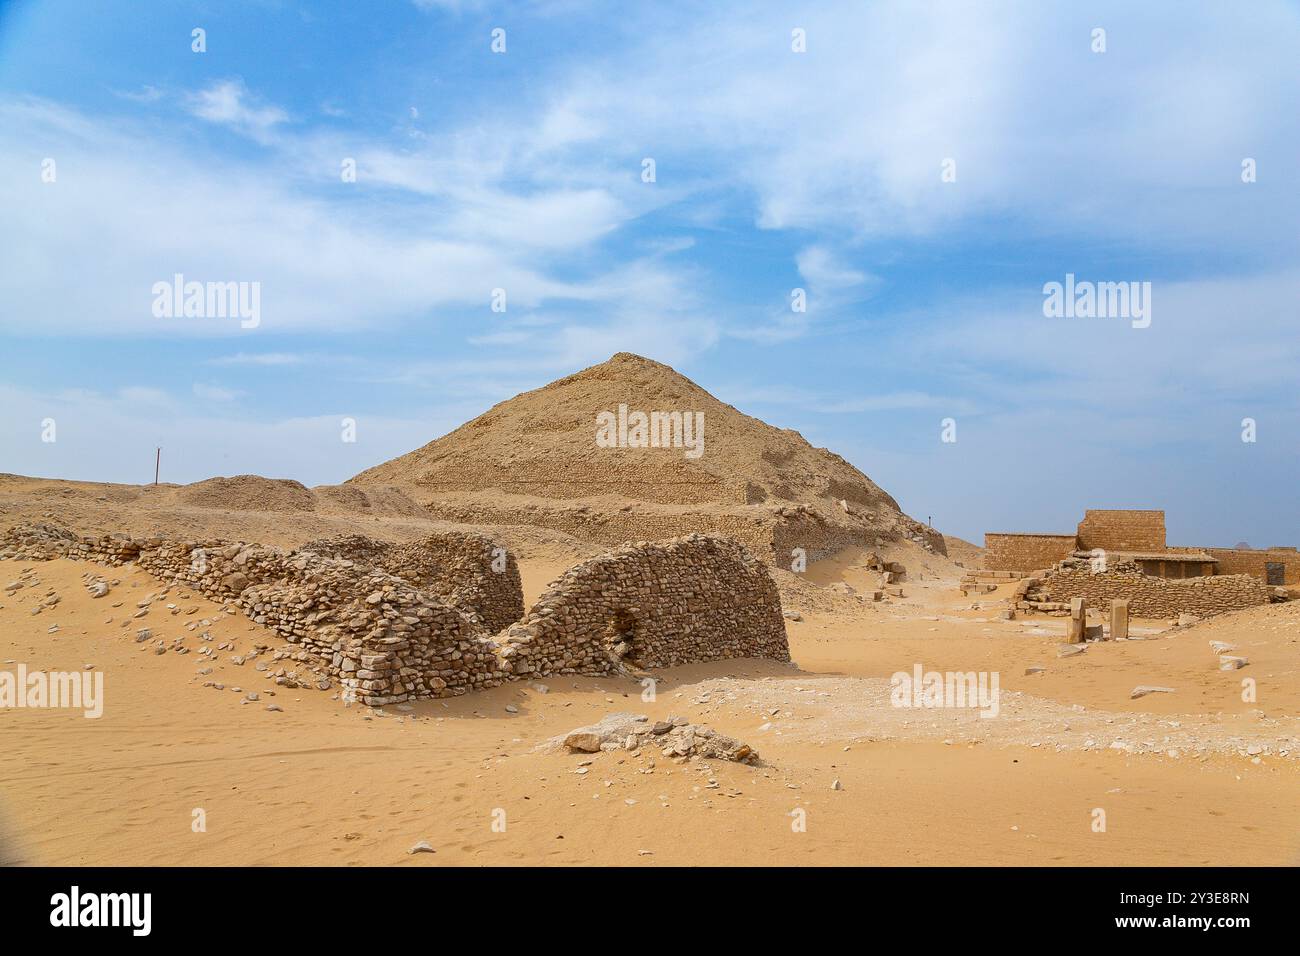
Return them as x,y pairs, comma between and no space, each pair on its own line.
377,636
467,570
618,528
1149,596
645,605
666,482
769,535
385,640
1234,561
1122,530
1025,552
817,537
799,526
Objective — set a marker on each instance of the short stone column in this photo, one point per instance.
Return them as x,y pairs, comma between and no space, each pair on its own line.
1078,621
1119,619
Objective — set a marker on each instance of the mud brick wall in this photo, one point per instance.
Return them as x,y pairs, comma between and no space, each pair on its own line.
1151,596
1025,552
696,598
1122,530
1233,561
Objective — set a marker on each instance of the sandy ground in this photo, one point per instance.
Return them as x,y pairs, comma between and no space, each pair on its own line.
1193,777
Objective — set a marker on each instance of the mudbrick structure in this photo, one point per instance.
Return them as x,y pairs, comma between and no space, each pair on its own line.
385,640
1025,552
1148,596
1138,536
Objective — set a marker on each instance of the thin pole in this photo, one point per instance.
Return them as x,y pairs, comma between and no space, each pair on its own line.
157,463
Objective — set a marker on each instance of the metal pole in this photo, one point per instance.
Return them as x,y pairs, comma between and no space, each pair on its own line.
157,463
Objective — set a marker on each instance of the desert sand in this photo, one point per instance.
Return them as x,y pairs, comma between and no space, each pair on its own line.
319,782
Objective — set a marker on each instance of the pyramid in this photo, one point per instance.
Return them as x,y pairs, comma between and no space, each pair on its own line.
574,456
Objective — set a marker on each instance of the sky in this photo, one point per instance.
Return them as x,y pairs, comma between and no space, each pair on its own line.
922,171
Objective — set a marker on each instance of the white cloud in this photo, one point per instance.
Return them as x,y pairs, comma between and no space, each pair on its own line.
228,102
825,272
849,137
127,211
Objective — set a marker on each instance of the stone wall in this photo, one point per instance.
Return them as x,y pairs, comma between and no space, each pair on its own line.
467,570
1025,552
1122,530
384,639
1234,561
799,526
381,638
645,605
375,635
617,528
1147,596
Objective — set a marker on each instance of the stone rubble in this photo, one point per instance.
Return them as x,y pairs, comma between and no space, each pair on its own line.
674,737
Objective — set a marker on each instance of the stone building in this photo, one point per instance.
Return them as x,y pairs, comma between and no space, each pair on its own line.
1137,537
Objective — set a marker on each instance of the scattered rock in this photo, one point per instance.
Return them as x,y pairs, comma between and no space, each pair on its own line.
677,739
1142,690
583,741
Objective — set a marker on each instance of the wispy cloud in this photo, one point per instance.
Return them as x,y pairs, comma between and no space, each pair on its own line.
228,102
263,358
215,393
322,263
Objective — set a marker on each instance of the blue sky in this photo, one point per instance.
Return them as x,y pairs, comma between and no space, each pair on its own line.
775,170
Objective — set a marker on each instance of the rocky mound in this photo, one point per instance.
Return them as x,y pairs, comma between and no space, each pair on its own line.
248,493
674,736
380,501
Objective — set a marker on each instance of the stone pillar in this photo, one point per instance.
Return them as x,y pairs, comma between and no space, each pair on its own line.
1119,619
1078,621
